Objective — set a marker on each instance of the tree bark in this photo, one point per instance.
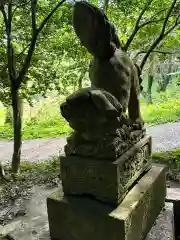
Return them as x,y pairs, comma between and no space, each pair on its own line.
80,80
143,93
166,79
17,123
162,85
17,78
162,34
149,89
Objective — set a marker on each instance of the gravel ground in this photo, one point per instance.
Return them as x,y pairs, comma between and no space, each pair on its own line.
165,137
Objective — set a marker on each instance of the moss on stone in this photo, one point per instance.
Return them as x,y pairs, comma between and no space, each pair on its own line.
168,156
172,160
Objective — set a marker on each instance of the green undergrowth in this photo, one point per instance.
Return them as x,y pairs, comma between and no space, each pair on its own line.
46,121
172,160
162,112
42,173
35,173
34,129
165,107
169,156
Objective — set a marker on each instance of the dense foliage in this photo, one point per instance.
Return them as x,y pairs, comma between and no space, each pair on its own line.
59,62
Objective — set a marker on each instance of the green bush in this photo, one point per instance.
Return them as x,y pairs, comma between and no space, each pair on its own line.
165,108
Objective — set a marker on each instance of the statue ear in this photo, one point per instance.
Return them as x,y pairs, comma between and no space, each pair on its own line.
93,29
104,105
79,96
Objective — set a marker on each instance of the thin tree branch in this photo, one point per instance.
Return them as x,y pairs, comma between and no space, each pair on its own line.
35,34
27,60
156,51
10,49
4,17
136,28
149,22
159,12
167,16
20,6
161,35
18,56
6,29
142,13
49,16
33,16
177,22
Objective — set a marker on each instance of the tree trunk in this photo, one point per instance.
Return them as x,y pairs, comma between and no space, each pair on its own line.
166,79
17,129
80,80
149,88
143,93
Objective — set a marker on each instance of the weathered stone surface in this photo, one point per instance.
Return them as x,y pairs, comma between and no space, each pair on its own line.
109,145
164,226
104,180
101,129
111,69
84,218
173,195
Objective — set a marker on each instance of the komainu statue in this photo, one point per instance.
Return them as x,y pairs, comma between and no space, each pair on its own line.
98,114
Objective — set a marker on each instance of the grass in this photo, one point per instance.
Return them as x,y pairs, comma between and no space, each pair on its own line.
37,173
44,119
169,157
162,112
172,160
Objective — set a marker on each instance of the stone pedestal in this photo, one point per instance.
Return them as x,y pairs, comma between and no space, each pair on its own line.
83,218
105,180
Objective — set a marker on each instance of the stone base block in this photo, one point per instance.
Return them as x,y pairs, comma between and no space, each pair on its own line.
106,181
86,219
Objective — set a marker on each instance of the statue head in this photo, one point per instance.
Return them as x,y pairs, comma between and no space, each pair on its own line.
96,33
91,110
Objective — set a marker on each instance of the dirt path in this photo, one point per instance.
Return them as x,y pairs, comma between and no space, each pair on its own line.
165,137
